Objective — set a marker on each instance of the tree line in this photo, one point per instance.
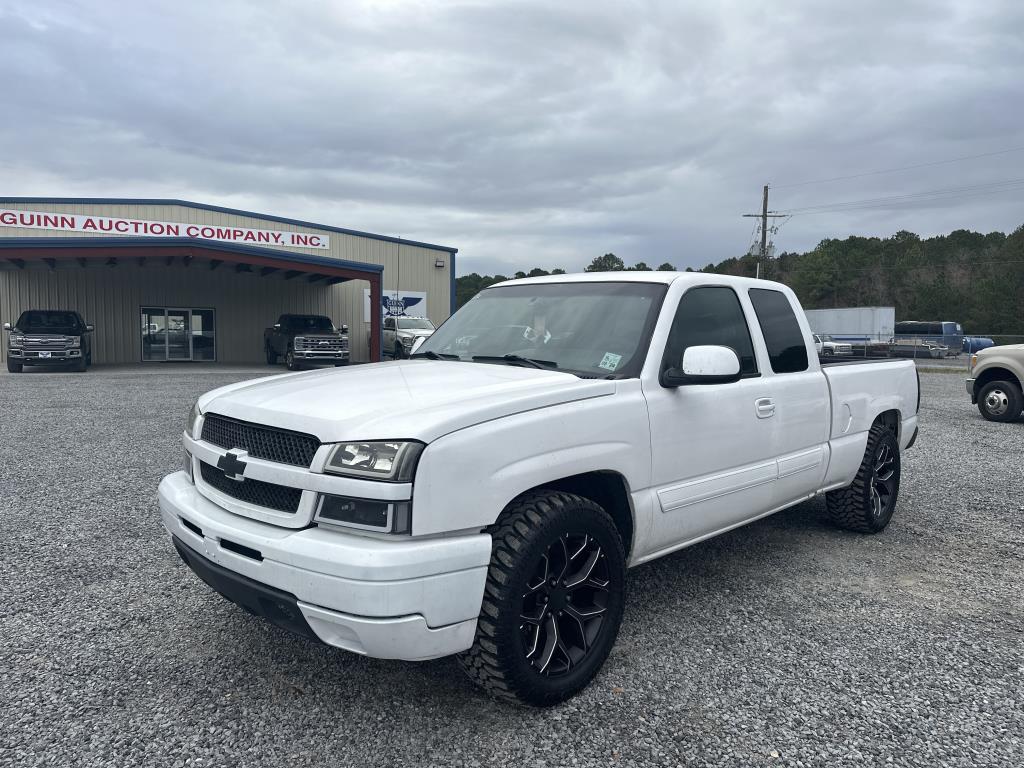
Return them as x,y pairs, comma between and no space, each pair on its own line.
972,278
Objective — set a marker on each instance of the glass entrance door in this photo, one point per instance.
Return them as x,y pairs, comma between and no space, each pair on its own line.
177,334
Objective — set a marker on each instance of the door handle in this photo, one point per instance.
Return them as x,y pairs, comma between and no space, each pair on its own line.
765,407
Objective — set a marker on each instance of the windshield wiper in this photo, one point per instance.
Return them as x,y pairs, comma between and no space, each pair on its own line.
528,361
432,355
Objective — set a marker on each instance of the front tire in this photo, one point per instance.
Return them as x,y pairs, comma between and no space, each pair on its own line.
399,353
79,366
289,361
271,355
1000,401
867,504
553,599
13,367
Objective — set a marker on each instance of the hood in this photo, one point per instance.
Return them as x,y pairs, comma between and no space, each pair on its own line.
999,349
414,331
407,399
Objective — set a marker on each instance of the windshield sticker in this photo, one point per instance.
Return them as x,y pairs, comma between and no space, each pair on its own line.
610,361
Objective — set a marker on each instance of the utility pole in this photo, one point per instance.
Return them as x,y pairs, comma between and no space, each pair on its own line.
764,216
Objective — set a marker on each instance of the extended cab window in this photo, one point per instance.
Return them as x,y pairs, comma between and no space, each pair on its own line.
786,348
389,323
710,315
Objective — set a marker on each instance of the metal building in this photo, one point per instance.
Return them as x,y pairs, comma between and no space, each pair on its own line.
131,266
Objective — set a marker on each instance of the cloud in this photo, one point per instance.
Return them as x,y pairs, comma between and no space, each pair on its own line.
525,133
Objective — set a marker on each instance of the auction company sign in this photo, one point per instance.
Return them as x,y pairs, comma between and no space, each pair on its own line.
74,222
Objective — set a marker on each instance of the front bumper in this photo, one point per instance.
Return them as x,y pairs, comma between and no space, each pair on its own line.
972,392
402,599
315,356
44,357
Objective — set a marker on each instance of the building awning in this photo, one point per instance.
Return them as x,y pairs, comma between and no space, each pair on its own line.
271,263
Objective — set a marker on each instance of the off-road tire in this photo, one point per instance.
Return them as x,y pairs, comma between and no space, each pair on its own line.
271,355
1000,401
522,541
854,507
13,367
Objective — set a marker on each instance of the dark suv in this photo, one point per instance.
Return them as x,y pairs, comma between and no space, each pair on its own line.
49,337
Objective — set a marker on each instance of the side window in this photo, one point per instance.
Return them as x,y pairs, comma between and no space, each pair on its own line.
710,315
786,348
389,323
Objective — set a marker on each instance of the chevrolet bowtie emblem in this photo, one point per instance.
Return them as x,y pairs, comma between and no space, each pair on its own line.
231,464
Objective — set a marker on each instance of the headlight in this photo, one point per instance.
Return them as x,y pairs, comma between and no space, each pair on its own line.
193,417
17,340
394,461
74,341
407,339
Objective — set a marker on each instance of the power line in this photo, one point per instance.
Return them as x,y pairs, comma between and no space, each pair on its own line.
901,168
924,195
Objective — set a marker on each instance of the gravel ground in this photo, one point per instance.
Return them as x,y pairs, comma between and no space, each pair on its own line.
782,643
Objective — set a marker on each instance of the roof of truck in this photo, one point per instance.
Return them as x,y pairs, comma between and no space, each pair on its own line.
623,276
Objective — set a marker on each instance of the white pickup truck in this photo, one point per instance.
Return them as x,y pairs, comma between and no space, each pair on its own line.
486,497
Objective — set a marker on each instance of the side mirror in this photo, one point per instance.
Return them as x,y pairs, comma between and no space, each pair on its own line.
344,329
7,326
277,325
417,343
705,364
90,328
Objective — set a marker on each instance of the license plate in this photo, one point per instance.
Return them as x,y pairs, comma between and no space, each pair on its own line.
44,354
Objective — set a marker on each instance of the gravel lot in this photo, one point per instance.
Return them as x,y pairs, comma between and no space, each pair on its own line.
782,643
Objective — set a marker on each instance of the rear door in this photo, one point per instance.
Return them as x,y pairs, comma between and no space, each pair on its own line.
796,403
712,457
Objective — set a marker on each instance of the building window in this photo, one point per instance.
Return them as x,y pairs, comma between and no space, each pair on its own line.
173,333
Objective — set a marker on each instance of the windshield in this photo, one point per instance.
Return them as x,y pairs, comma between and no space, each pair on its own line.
414,324
310,323
591,329
48,322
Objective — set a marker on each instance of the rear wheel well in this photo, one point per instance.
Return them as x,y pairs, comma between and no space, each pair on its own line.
995,374
890,420
609,490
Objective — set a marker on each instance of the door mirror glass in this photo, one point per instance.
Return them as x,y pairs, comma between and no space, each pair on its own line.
704,364
418,342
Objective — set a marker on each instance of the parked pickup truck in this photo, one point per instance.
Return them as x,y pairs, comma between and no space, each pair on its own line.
49,337
829,347
486,497
400,333
304,340
995,382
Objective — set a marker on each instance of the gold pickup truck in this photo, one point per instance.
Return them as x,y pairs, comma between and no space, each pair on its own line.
995,382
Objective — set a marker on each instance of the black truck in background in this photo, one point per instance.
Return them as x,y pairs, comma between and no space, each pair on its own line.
49,337
306,340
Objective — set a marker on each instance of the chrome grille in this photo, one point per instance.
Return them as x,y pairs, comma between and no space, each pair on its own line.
261,442
283,498
324,344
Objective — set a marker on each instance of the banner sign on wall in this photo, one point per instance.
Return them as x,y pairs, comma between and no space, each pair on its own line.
397,304
76,222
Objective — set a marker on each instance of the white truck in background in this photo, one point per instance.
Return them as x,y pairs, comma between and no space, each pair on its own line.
486,497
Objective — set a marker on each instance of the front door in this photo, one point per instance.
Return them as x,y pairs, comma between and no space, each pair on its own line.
713,464
169,334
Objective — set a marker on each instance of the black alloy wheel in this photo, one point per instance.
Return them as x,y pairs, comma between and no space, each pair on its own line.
565,604
883,481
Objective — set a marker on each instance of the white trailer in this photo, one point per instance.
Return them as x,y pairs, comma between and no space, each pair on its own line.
854,323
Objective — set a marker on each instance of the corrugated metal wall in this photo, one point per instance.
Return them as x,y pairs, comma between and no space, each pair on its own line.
110,298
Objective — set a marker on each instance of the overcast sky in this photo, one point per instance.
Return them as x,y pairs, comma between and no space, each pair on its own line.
526,133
